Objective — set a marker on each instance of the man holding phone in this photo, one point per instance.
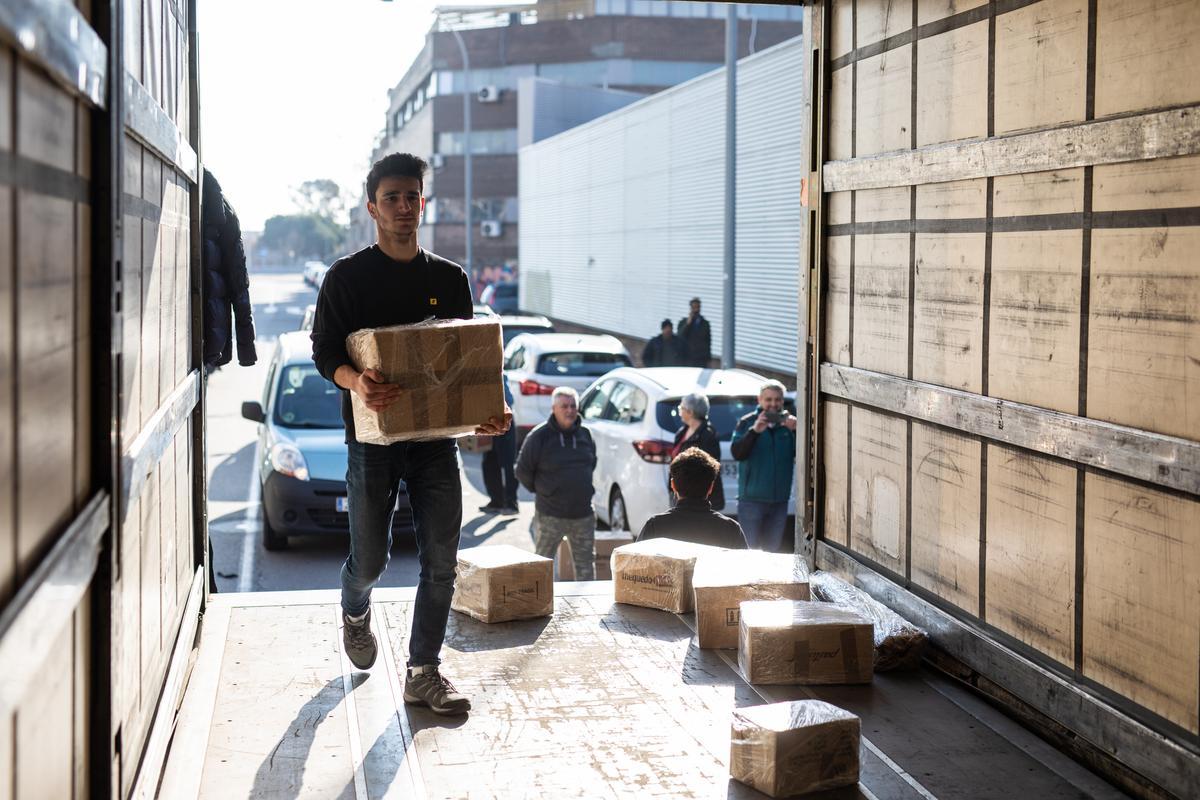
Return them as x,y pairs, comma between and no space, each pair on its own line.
764,444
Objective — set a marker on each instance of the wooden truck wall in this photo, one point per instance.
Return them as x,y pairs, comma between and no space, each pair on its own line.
98,563
1011,262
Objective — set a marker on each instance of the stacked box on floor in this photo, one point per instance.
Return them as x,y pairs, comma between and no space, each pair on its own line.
784,749
498,583
785,641
605,543
722,582
657,573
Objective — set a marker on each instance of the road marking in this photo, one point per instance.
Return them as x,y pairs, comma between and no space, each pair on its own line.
253,493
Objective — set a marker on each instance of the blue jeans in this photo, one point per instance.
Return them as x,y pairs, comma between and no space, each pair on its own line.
373,475
763,524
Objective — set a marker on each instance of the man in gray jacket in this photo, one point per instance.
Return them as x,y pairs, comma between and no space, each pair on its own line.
556,464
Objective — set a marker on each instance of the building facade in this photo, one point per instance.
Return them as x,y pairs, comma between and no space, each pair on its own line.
620,45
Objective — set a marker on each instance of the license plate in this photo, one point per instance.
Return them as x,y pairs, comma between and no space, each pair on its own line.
729,469
343,505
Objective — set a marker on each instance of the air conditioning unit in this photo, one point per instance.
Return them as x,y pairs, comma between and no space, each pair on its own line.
491,228
437,161
488,94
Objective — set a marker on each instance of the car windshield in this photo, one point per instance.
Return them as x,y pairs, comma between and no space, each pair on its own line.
306,400
509,331
723,413
581,365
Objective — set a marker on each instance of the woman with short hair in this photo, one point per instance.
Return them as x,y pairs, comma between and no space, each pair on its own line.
697,431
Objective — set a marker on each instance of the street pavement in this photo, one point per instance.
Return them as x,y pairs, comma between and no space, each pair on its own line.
280,297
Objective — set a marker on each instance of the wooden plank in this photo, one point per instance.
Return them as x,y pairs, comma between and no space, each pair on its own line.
952,200
1144,333
168,236
131,301
7,71
1031,550
55,36
151,288
8,422
84,388
1146,54
876,205
876,21
881,303
933,10
45,717
842,24
1053,192
837,208
841,114
299,740
1166,461
45,363
945,515
1161,134
834,453
1034,329
152,47
131,22
835,342
186,560
1041,60
45,119
1141,596
82,668
878,484
883,102
149,598
168,591
1163,183
952,85
948,311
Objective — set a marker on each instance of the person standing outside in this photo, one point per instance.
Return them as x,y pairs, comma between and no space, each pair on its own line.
663,350
695,336
556,464
764,444
697,431
396,282
499,475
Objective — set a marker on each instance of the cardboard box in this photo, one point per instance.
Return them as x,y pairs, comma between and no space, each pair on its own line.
785,749
722,582
787,641
657,573
606,542
450,371
498,583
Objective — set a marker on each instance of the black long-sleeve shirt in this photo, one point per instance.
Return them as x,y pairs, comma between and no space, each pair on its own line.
371,290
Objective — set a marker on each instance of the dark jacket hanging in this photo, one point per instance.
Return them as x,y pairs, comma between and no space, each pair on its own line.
227,308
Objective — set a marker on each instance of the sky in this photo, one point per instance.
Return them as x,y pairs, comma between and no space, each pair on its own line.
292,90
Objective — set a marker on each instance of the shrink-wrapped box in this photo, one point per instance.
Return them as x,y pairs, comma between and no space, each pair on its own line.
786,641
784,749
898,643
605,543
449,371
722,582
657,573
498,583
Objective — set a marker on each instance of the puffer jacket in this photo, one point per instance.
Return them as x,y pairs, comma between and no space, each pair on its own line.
766,460
227,306
556,465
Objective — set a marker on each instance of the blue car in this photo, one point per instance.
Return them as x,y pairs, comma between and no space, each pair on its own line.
303,449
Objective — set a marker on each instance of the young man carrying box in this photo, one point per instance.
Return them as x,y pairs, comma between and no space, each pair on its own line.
396,282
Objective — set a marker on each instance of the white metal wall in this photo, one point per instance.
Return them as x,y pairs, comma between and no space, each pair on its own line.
621,218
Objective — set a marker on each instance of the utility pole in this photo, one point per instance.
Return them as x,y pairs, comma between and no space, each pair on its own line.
731,43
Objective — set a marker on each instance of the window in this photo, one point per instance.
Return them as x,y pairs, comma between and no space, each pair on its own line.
594,402
398,121
482,142
627,404
306,400
580,365
515,359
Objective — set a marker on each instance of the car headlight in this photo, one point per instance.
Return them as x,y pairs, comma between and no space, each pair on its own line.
286,459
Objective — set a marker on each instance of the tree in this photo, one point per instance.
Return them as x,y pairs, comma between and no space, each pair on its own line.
295,238
322,197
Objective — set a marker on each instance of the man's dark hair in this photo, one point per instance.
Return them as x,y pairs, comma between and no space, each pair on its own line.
666,323
396,165
693,472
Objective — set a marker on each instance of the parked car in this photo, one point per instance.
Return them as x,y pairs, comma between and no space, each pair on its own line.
633,415
511,325
535,364
314,273
483,310
309,313
502,297
303,450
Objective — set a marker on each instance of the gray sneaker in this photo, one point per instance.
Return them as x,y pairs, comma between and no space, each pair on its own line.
359,641
427,687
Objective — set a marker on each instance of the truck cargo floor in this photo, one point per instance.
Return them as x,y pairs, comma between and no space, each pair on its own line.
602,700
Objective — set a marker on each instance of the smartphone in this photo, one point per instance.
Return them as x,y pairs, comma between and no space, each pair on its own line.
774,417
